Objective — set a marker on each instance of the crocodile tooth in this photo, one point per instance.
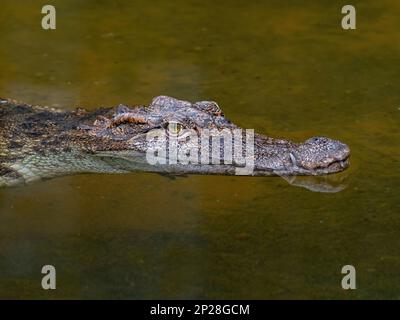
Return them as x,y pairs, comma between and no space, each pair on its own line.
293,158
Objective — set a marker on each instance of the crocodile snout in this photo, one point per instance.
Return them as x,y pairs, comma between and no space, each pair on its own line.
322,154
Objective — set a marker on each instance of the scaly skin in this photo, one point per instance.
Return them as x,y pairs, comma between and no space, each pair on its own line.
39,142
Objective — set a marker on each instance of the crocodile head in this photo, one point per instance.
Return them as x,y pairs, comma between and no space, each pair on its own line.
203,141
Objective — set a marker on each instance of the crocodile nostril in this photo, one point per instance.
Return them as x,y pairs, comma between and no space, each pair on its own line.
314,139
318,140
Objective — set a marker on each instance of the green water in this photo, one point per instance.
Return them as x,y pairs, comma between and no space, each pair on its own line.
286,70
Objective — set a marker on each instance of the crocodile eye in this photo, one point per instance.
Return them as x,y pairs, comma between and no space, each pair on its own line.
174,127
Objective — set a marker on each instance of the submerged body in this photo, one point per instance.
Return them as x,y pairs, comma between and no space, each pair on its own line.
39,142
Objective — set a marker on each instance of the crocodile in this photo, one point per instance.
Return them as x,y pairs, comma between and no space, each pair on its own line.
39,142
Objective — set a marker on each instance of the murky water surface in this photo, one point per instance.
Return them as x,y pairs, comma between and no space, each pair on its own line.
284,70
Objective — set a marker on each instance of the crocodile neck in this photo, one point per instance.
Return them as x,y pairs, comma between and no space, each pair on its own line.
34,167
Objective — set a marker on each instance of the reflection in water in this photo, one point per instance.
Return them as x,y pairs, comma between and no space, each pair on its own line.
286,71
329,183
